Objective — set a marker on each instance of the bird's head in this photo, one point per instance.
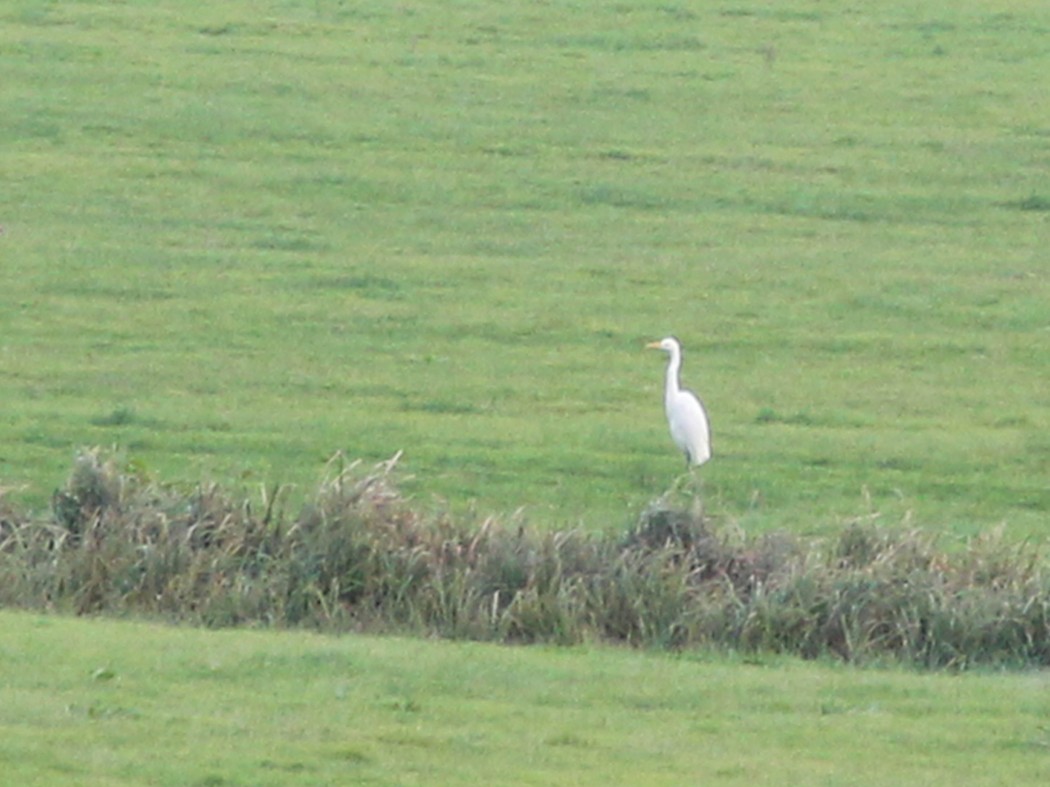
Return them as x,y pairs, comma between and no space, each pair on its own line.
668,345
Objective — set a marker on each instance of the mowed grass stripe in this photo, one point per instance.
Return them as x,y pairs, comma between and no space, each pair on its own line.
92,701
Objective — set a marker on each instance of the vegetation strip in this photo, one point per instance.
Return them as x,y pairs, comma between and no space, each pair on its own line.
359,556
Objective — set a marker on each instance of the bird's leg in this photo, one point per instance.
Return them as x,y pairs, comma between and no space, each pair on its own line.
677,483
691,481
697,493
682,482
686,492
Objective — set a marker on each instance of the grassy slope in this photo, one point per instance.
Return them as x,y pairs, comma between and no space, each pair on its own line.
99,702
241,237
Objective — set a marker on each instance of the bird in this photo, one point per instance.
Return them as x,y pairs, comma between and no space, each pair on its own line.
686,416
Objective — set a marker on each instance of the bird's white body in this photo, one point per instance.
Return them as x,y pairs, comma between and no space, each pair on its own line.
686,417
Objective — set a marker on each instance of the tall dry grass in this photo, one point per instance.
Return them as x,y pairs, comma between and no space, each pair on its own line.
359,556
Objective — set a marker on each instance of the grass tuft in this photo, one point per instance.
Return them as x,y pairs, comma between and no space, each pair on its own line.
1033,202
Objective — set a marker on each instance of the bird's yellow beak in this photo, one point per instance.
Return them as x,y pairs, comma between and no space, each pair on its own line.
653,346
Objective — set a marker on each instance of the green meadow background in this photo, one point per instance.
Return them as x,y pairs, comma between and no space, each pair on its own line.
240,237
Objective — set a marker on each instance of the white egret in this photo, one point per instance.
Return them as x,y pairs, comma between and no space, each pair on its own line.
686,416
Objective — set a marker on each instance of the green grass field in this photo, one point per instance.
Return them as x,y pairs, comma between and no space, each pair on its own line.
80,698
240,238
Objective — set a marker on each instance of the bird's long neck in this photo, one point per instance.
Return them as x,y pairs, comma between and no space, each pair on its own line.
674,366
